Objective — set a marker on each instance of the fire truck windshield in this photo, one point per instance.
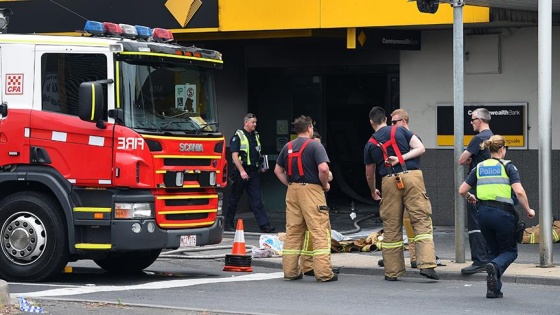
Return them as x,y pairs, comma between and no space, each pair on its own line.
168,97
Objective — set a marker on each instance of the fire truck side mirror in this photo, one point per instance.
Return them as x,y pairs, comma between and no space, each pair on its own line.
91,102
3,110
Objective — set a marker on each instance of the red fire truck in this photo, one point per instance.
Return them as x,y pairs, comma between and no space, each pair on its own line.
109,149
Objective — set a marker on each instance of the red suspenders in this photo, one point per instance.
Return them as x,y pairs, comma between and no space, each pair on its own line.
393,143
296,155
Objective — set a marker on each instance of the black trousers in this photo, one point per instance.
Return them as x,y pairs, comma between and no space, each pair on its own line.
253,187
476,239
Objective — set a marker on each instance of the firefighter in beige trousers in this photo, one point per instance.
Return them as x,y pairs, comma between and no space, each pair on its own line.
306,259
394,152
302,167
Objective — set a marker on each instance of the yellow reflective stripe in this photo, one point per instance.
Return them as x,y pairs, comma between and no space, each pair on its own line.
392,245
92,101
92,246
291,252
171,56
423,237
532,239
306,243
118,85
325,251
91,209
306,240
555,235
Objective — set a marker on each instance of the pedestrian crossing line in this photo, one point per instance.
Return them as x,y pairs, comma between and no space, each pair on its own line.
147,286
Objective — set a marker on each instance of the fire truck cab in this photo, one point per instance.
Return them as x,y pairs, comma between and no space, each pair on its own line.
109,149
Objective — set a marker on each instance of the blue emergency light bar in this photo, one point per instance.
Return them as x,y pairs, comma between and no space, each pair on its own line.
144,32
125,30
94,28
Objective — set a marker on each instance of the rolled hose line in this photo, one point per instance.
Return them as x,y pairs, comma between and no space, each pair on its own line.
356,224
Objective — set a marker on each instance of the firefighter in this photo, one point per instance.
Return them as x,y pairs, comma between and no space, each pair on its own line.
302,166
395,151
306,259
494,179
245,149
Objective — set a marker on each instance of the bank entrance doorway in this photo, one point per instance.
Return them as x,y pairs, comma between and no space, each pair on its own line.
339,101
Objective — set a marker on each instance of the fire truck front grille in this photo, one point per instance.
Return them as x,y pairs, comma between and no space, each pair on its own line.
186,202
186,162
186,210
186,216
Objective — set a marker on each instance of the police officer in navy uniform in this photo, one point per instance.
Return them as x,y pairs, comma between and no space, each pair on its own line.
494,179
473,154
245,149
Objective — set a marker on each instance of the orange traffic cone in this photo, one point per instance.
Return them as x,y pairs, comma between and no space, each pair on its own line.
238,260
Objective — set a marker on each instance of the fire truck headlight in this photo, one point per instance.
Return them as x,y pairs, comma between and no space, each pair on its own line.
133,211
136,228
212,178
151,227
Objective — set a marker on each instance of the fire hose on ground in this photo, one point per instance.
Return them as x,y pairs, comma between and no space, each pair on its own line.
176,253
173,253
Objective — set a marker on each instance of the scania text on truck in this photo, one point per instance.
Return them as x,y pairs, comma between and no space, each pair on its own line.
109,149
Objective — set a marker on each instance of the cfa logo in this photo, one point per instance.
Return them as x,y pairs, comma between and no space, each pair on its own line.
191,147
14,84
130,143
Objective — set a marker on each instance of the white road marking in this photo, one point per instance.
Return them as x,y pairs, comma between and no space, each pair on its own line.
147,286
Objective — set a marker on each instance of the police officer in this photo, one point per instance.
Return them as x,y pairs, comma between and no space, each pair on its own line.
473,154
245,149
302,165
494,179
395,152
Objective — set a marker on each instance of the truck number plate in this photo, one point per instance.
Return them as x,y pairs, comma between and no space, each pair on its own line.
188,241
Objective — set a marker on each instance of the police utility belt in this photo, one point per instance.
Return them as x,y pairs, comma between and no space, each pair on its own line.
497,204
250,167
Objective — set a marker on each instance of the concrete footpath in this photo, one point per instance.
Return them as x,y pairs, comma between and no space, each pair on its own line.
525,269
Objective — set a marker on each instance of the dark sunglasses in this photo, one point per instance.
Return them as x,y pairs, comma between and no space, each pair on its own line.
473,119
394,122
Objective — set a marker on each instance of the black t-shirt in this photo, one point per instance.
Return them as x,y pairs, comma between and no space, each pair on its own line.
313,155
373,154
477,154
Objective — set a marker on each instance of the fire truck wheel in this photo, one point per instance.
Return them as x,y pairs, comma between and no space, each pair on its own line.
34,243
131,262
